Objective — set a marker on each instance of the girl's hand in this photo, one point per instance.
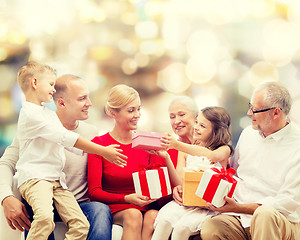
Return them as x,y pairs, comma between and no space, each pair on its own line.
169,142
177,194
138,199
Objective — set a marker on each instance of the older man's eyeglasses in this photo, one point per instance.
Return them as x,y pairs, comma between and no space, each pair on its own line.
259,111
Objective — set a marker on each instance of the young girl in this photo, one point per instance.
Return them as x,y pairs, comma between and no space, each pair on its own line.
211,139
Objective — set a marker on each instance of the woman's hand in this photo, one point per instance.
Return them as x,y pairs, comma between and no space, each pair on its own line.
177,194
169,142
161,153
138,199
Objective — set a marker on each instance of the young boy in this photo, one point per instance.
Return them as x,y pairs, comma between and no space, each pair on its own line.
42,139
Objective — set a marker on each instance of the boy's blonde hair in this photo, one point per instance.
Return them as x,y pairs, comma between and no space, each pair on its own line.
119,96
29,71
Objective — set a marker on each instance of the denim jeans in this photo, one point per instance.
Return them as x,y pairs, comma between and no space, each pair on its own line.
99,216
100,220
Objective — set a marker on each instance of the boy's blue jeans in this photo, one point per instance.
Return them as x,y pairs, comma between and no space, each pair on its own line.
99,217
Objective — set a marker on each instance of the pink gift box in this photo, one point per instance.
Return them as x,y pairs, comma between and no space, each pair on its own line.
147,140
153,183
215,184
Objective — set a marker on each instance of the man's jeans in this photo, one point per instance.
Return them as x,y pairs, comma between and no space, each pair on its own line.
100,220
99,217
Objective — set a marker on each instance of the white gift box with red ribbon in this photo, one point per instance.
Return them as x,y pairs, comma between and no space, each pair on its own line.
153,183
215,184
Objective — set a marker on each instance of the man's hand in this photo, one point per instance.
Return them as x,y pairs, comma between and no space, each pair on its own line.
16,214
138,199
114,155
230,206
177,194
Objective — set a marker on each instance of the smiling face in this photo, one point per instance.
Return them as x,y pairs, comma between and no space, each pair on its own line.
44,87
76,100
128,116
182,120
260,121
202,130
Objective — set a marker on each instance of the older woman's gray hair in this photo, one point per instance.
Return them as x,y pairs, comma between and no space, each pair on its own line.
189,102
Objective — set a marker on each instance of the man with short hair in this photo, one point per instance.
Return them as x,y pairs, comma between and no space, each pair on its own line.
266,201
72,102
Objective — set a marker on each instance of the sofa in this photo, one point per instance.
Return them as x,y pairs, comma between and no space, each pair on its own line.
6,233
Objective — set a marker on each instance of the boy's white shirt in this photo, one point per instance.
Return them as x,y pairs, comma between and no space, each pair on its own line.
42,139
75,167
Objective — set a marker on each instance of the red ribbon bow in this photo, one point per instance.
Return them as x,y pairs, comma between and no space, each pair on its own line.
215,180
225,174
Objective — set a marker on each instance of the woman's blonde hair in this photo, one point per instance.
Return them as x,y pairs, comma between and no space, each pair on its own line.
119,96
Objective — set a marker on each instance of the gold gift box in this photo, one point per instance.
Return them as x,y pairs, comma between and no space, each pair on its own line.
191,181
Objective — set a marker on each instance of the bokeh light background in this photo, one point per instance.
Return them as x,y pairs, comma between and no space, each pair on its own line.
215,51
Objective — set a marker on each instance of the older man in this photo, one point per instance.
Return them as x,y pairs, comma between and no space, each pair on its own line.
266,202
72,101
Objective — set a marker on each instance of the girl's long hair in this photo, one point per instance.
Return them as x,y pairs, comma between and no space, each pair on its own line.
220,120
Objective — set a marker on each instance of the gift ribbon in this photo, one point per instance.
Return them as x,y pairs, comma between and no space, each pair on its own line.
215,181
144,184
163,182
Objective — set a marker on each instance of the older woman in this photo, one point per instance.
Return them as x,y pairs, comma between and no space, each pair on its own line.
183,111
113,185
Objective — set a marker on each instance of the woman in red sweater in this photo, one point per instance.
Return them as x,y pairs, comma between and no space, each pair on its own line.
113,185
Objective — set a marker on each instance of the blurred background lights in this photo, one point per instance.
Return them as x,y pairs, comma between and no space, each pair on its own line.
142,60
3,54
146,29
261,72
16,37
154,8
200,70
281,41
129,66
45,17
8,78
6,111
161,105
151,47
203,44
100,52
205,100
126,46
145,120
77,49
262,8
215,51
222,11
171,32
173,78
